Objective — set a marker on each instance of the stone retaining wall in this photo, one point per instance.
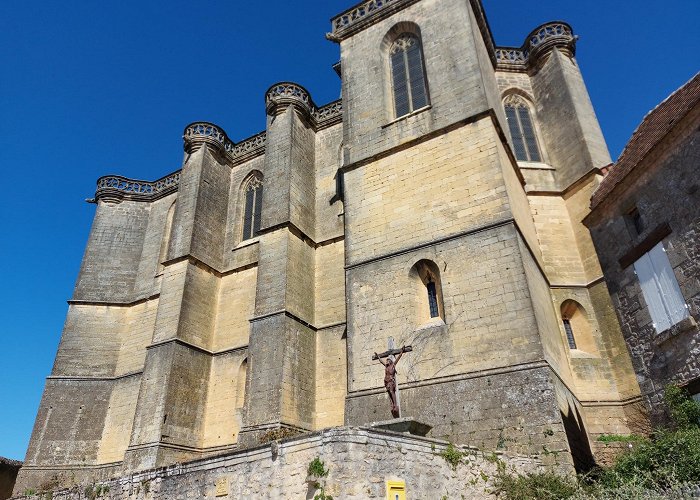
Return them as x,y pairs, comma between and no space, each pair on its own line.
360,462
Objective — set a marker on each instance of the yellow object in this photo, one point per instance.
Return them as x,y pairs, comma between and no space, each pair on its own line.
396,490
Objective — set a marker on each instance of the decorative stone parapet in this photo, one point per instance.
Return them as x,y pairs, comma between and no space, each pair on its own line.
328,115
204,133
284,94
363,14
115,188
540,41
198,134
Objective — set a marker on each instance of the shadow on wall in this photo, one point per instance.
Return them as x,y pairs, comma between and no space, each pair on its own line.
8,475
578,441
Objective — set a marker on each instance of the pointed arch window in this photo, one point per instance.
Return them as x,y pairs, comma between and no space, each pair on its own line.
253,206
522,129
408,74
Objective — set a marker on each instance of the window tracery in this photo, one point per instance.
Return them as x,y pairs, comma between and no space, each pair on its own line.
408,74
253,192
522,129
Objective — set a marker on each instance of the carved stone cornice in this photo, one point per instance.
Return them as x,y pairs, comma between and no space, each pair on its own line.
115,188
539,42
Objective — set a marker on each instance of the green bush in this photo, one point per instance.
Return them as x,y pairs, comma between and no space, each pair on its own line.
543,485
666,466
672,456
684,411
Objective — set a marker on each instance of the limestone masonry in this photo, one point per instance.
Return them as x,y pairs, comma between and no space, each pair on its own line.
239,300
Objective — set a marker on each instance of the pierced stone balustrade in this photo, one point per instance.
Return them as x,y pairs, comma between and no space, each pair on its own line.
115,188
539,41
284,94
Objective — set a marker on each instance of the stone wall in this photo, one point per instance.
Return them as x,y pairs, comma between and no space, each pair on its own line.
8,474
360,461
656,187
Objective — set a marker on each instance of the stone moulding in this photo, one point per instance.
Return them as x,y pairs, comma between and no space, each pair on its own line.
542,39
115,188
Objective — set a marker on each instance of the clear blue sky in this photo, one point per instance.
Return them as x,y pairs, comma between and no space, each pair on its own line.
91,88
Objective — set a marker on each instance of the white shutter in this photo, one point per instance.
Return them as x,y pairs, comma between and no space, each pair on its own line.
670,291
651,293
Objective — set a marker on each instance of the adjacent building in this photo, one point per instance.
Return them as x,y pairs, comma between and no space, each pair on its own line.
645,223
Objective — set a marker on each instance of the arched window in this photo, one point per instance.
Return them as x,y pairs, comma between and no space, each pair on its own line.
578,331
522,129
429,293
408,74
253,191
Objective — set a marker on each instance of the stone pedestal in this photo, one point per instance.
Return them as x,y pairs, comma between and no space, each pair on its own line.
405,425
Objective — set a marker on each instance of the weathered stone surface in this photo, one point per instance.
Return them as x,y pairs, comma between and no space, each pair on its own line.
359,461
184,341
664,189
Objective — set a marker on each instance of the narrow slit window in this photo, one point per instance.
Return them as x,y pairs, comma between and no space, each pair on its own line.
569,334
408,75
253,207
522,130
432,299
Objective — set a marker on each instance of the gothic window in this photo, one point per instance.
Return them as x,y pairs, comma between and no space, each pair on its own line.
522,130
660,289
408,74
253,206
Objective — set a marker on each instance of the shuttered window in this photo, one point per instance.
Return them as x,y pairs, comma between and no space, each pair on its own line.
660,289
408,75
253,207
522,130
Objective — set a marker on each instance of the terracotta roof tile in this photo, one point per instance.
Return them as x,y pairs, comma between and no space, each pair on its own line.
655,126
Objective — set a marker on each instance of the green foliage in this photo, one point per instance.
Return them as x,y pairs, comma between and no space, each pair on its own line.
317,468
684,411
543,485
620,438
671,456
452,456
29,492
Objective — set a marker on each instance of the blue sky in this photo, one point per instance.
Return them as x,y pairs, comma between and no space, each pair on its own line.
91,88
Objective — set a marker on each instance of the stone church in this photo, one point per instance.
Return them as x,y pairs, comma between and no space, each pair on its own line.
437,203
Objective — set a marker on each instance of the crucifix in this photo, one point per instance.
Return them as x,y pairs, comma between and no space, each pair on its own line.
390,373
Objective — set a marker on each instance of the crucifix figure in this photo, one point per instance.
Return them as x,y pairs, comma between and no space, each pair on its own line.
390,374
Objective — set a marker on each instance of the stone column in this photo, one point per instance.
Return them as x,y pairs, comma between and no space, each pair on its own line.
280,387
170,409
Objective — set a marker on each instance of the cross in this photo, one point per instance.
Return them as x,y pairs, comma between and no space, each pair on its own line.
392,387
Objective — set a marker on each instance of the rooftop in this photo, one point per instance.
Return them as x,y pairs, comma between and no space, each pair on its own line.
654,127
